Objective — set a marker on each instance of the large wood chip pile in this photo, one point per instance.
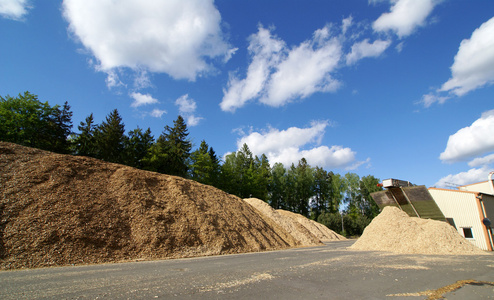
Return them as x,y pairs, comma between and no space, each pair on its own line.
61,210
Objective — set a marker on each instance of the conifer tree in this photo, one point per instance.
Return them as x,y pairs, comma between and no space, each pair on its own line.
171,152
137,146
84,142
110,138
201,167
216,167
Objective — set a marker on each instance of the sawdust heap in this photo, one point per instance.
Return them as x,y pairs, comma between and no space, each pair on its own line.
298,231
61,209
319,230
393,230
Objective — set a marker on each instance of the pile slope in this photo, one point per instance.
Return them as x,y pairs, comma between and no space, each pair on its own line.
62,209
297,230
319,230
394,231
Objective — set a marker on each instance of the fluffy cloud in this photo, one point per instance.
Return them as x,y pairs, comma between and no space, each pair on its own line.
305,71
140,99
14,9
405,16
278,74
463,178
177,37
286,146
473,66
265,50
157,113
482,161
471,141
187,107
365,49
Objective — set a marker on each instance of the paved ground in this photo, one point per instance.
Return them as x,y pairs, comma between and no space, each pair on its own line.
326,272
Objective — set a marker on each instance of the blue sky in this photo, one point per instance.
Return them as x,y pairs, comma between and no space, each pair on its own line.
392,88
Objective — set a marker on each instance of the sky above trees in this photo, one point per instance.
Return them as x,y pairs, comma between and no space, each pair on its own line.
393,88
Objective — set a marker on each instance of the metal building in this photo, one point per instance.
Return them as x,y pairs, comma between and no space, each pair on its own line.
469,209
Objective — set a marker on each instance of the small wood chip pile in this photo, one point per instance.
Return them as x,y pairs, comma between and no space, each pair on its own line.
394,231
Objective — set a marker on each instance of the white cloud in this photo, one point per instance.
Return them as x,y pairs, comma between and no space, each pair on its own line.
265,50
278,74
400,46
365,49
482,161
142,80
112,79
186,104
473,66
346,23
286,146
187,107
141,99
14,9
177,37
431,98
405,16
193,120
357,164
157,113
305,71
471,141
463,178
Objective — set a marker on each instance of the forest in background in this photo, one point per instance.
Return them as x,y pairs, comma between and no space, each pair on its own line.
341,202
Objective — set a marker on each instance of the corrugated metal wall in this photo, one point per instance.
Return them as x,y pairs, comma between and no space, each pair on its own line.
463,208
483,187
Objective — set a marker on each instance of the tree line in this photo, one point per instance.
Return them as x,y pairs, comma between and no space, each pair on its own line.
301,188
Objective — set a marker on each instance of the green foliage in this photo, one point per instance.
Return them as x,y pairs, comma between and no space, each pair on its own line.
277,187
136,146
61,128
84,143
236,173
331,220
261,177
246,176
110,138
355,224
171,152
322,192
304,186
204,166
368,185
27,121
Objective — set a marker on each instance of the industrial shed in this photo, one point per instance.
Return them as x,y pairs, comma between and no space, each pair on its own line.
466,210
469,209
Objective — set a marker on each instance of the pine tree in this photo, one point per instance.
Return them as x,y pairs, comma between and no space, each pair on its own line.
84,142
110,138
137,147
216,168
277,187
171,152
201,167
61,124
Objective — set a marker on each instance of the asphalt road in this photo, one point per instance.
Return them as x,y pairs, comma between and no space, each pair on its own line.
325,272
